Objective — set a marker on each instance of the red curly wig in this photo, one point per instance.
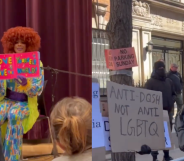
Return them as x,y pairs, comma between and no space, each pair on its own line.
25,34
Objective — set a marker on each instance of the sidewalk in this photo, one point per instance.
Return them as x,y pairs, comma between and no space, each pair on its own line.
176,153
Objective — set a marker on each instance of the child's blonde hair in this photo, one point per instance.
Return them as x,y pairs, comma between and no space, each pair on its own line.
71,119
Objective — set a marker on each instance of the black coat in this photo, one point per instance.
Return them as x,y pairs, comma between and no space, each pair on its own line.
177,81
167,89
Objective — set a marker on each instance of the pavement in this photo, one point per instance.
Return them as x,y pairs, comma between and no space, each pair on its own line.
175,154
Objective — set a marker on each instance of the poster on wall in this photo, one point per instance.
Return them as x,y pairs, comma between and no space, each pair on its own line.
97,122
135,118
25,64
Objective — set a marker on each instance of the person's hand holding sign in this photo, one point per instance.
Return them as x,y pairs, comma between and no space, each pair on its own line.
21,80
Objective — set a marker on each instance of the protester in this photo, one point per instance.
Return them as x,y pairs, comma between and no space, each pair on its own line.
71,120
18,97
153,72
159,82
175,76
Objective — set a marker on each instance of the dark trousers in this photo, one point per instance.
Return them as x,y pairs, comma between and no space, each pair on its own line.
166,152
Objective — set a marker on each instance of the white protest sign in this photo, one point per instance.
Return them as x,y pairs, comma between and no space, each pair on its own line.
97,122
107,134
167,137
135,118
167,131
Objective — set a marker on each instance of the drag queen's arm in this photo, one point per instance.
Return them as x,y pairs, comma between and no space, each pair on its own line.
2,88
36,85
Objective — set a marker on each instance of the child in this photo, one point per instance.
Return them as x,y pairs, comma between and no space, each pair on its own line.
71,119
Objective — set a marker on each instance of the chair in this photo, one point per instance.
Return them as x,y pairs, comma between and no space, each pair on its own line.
43,116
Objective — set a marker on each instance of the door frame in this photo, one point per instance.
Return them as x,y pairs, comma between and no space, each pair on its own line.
165,49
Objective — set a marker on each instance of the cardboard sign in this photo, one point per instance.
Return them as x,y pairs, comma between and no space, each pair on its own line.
167,131
25,64
97,123
135,117
120,58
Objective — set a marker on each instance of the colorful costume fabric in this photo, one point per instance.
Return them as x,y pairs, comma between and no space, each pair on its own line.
18,117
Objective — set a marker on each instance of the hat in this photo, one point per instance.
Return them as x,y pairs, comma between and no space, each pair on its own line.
174,65
159,64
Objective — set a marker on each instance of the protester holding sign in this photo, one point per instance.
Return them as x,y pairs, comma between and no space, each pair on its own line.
159,82
71,119
18,97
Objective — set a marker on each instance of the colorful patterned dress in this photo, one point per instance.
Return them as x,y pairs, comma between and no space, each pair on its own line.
14,110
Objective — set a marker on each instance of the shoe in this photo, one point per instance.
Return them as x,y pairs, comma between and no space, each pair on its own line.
155,160
168,159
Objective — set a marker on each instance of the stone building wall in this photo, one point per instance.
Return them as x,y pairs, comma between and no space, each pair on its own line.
152,18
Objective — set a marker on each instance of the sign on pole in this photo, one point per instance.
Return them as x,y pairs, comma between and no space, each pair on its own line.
123,58
135,117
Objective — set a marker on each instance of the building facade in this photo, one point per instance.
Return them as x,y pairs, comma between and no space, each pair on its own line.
159,21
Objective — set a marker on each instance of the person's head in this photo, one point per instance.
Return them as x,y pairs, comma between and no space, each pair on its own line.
159,68
20,40
162,60
174,67
71,119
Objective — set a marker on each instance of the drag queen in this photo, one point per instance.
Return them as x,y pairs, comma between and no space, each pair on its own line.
18,97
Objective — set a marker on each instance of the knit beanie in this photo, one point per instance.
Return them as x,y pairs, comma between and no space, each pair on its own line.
158,65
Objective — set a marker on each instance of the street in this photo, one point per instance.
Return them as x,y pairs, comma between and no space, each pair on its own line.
176,153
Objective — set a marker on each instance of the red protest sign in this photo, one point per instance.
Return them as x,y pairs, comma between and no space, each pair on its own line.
25,64
123,58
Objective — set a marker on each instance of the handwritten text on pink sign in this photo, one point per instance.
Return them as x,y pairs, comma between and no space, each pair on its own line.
123,58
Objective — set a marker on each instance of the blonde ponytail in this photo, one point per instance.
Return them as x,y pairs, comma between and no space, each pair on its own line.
71,119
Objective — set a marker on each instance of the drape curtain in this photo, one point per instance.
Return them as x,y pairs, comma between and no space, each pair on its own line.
65,30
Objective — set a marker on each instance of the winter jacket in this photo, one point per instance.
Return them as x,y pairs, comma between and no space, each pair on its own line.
177,81
167,89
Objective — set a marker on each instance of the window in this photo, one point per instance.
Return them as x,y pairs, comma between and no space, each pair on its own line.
100,42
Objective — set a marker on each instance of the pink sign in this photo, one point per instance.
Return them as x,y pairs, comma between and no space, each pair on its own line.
7,66
123,58
26,64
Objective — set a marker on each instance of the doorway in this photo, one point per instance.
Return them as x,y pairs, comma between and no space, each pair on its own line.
168,49
171,51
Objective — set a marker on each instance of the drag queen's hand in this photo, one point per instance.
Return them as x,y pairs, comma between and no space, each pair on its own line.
21,80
